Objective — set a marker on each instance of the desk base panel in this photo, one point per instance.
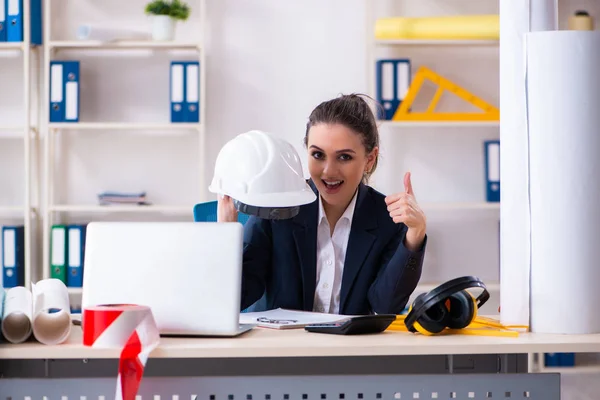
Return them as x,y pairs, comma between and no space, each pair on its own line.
329,387
272,366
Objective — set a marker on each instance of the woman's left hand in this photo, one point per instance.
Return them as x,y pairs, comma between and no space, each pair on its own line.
403,208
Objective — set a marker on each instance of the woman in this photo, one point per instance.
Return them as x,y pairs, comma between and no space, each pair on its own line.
353,250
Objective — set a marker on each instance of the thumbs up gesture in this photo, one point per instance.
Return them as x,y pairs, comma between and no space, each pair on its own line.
403,208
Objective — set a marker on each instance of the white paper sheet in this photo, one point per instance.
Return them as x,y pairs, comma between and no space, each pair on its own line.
563,89
51,311
109,33
16,319
287,319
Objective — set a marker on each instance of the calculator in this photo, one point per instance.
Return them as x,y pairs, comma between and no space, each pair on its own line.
359,325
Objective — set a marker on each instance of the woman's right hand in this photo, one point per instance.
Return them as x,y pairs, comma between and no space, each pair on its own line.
226,211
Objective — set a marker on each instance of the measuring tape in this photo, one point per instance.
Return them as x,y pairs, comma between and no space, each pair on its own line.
129,327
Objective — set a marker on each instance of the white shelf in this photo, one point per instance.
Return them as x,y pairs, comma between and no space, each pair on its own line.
14,132
8,210
11,128
123,209
481,205
126,45
75,290
123,126
576,369
439,124
11,132
12,46
435,42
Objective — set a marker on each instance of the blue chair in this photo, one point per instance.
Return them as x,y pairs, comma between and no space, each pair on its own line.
207,212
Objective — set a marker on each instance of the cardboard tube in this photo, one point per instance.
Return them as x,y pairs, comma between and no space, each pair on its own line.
51,311
16,319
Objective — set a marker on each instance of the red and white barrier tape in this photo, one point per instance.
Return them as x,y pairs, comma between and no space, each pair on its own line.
129,327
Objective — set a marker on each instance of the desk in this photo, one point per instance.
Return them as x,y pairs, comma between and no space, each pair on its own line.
294,364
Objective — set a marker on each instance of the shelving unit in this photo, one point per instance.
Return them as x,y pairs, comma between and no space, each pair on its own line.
394,48
56,211
26,213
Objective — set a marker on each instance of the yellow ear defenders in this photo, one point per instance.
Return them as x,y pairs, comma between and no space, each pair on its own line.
449,305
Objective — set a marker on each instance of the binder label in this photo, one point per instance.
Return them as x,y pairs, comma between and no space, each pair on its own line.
9,239
71,101
58,246
192,83
13,7
177,84
74,248
494,162
56,72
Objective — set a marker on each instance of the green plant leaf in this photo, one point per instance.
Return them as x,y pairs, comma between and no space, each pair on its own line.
175,9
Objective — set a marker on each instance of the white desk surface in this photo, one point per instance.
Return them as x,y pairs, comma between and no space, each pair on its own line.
263,342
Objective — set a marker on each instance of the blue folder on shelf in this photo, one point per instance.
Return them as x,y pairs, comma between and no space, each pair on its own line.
75,262
2,21
492,170
393,81
184,82
64,91
13,256
13,21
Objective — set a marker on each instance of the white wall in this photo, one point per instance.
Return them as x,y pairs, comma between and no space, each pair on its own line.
269,64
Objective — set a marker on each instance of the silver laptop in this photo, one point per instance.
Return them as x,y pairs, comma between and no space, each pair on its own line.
188,273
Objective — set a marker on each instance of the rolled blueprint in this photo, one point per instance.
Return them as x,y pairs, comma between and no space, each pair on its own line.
457,27
516,19
563,103
108,33
51,311
16,318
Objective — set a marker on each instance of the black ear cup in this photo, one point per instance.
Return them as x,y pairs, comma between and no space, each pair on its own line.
461,310
433,320
449,305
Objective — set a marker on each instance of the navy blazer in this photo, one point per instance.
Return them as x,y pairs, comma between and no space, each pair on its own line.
380,273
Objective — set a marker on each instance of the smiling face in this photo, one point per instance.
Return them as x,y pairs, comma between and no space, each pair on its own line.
337,161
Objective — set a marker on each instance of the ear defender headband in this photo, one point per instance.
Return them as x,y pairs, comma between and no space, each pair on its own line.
449,305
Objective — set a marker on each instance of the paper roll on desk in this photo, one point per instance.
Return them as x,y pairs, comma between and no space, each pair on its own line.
563,111
16,316
51,311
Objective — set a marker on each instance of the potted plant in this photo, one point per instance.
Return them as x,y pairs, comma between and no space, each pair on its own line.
165,14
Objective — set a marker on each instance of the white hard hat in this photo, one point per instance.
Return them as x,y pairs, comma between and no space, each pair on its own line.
259,169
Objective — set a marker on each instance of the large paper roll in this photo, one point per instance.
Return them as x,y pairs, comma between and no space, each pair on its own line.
51,311
563,108
516,19
131,328
16,317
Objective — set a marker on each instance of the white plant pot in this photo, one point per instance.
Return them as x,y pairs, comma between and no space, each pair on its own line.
163,27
